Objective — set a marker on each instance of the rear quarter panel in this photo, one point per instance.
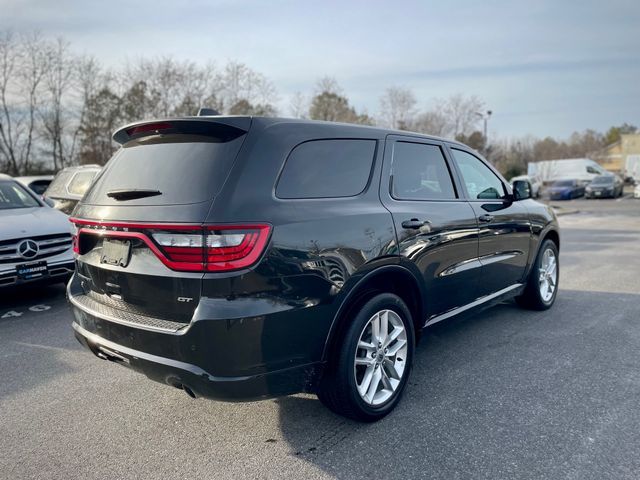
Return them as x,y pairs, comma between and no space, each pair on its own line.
318,247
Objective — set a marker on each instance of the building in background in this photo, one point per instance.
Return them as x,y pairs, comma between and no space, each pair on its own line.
617,156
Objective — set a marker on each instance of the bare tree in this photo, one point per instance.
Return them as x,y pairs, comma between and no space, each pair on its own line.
462,113
397,107
58,80
10,126
240,83
35,65
452,117
329,85
299,105
432,122
331,105
23,64
89,79
103,116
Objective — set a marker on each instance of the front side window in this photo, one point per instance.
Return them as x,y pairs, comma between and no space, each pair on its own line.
13,195
327,169
480,181
419,172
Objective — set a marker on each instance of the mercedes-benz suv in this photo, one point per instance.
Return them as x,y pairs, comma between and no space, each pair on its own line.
240,258
35,239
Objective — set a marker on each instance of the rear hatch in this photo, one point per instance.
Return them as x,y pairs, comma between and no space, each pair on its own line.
140,240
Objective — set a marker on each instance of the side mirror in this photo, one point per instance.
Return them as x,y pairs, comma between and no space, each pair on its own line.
521,190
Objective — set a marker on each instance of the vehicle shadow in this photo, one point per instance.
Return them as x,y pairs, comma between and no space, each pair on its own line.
509,393
28,295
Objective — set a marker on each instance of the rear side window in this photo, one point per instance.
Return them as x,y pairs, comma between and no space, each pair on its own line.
58,187
185,169
39,186
327,168
420,172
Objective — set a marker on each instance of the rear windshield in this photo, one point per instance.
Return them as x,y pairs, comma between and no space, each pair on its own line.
604,180
39,186
183,168
13,195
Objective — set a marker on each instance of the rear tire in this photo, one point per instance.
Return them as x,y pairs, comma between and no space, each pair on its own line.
542,285
369,374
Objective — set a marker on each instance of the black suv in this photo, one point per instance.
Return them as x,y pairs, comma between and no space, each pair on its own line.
239,258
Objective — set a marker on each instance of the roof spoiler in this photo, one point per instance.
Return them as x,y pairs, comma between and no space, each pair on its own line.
222,128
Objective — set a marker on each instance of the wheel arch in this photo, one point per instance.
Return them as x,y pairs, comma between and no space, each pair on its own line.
550,233
395,279
553,235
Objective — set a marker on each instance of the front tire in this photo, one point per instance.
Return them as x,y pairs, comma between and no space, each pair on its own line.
542,286
373,361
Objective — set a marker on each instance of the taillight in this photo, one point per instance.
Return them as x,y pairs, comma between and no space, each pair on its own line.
232,248
217,248
149,128
194,248
181,247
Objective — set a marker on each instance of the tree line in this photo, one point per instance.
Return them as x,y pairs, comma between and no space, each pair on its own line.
59,108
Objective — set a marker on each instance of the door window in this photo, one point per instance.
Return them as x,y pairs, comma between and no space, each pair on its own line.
420,172
480,181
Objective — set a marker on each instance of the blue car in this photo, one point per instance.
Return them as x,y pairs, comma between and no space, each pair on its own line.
566,190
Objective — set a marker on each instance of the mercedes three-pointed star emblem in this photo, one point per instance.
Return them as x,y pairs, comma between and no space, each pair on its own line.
28,249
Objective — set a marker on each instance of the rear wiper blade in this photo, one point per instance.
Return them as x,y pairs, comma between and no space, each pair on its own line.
132,193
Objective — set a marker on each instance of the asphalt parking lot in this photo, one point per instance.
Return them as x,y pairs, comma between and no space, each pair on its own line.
507,394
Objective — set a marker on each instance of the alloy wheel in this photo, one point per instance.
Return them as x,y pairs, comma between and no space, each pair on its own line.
380,359
548,278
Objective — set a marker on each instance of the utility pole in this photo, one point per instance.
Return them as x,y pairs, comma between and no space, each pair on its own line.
485,118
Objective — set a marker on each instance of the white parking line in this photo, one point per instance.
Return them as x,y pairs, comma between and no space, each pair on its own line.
17,313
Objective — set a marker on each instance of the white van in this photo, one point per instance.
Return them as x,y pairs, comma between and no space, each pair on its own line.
582,169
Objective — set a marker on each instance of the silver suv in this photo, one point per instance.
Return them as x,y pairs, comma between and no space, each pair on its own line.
69,185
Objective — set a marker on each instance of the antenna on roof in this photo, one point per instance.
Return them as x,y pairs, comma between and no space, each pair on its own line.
205,112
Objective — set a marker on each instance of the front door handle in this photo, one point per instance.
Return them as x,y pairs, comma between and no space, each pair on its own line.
414,224
485,218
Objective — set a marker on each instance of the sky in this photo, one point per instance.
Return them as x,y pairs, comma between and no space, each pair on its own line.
545,68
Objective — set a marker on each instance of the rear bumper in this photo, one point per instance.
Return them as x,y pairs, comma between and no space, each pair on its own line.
600,194
265,353
196,381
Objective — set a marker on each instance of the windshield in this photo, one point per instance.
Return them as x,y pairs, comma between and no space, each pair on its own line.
13,195
563,183
603,180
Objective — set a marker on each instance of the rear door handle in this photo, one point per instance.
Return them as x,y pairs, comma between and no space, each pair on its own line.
414,224
485,218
